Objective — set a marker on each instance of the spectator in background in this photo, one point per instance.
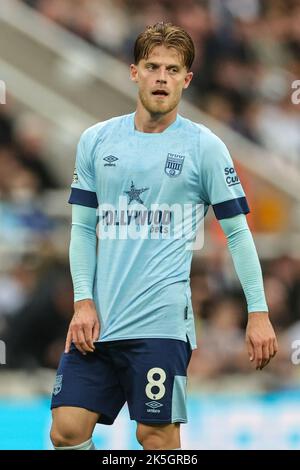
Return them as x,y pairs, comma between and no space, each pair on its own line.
21,217
287,271
277,298
29,136
6,127
9,166
17,283
221,340
36,334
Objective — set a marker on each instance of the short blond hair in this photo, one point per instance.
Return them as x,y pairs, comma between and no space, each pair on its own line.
168,35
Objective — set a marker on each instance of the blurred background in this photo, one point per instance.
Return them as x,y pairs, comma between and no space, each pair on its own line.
65,66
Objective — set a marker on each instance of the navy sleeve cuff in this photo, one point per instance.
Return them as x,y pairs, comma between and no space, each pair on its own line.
226,209
83,198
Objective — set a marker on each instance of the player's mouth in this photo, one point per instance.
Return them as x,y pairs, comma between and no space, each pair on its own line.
160,93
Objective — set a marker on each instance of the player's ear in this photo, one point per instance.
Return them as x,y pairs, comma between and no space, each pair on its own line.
134,73
188,79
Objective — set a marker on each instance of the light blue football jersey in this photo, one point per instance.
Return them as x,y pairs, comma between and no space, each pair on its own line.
142,183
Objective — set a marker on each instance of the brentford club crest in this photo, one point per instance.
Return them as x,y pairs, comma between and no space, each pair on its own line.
57,385
174,164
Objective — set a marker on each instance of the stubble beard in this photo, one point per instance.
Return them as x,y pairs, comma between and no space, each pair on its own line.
157,109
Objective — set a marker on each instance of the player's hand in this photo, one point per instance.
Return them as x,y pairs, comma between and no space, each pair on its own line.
260,339
84,328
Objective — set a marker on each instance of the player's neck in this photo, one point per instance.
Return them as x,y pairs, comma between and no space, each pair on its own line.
146,122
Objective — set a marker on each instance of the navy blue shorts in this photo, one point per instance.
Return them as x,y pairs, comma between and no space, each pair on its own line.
149,374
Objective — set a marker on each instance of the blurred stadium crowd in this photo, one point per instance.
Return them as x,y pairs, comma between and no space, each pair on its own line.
248,53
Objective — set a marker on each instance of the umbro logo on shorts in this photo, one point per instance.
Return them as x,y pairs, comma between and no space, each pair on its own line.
153,406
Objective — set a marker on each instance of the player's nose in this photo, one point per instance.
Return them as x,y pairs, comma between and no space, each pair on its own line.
162,76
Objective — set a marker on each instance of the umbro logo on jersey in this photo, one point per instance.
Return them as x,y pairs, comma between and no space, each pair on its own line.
110,159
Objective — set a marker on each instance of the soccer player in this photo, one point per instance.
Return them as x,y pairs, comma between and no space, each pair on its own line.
132,333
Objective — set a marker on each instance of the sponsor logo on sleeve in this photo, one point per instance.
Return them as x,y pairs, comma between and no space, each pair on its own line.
231,177
75,176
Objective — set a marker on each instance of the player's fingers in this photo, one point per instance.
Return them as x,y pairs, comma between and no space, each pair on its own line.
265,363
87,329
96,331
82,341
275,346
258,355
68,342
250,350
78,340
265,355
271,348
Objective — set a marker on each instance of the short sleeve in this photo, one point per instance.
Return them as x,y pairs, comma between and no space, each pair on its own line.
83,188
220,184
